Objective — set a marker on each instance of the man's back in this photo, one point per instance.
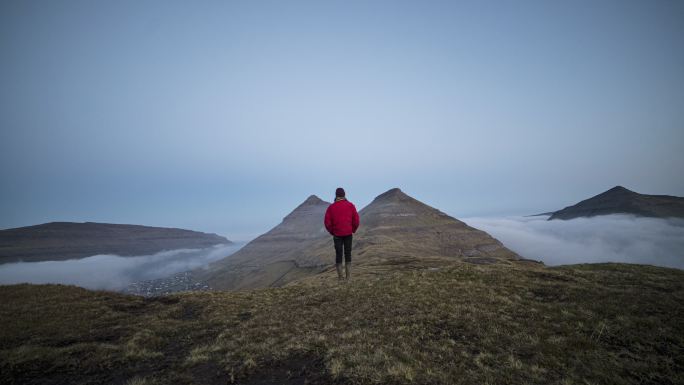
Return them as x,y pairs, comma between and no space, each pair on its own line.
341,218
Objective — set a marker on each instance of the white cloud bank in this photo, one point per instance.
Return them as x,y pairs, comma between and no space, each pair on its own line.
610,238
113,272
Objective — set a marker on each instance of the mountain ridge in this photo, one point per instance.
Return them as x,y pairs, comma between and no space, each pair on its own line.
75,240
395,228
620,200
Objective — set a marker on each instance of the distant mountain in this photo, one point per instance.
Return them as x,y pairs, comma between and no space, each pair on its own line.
70,240
620,200
396,230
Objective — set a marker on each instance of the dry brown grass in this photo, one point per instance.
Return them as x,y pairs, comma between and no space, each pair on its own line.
465,324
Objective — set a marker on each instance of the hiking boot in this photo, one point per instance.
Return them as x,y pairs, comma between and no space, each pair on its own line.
339,272
347,269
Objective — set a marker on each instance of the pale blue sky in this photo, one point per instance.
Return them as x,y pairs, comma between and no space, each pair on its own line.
223,116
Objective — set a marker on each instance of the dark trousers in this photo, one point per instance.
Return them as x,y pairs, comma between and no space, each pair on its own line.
342,243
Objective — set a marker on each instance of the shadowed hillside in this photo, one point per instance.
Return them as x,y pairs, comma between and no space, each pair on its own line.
68,240
395,229
466,324
620,200
275,257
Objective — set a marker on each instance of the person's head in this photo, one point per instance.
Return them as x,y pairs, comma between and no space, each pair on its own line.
339,193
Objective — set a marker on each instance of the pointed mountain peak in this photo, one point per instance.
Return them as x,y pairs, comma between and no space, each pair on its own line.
392,194
619,200
395,201
314,200
617,190
312,204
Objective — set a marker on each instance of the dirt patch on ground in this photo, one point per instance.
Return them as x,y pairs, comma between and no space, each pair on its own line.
166,300
295,370
190,311
209,373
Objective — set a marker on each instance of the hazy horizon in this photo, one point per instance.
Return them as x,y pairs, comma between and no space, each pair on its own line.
223,116
610,238
246,237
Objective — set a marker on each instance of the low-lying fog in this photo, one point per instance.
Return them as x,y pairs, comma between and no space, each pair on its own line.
610,238
113,272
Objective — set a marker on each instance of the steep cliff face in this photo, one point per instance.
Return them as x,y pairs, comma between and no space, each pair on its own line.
620,200
69,240
395,230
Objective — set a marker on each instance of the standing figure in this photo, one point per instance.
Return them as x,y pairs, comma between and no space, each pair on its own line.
341,221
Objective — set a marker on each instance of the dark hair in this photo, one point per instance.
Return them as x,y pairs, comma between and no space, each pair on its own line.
339,192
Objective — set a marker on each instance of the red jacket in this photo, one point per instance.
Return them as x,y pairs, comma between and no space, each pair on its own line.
341,218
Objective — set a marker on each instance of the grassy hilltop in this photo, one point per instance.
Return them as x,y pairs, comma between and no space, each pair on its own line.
465,323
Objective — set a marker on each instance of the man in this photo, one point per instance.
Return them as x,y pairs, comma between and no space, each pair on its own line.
341,221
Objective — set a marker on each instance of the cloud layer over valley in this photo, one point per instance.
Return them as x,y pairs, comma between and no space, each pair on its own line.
610,238
113,272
